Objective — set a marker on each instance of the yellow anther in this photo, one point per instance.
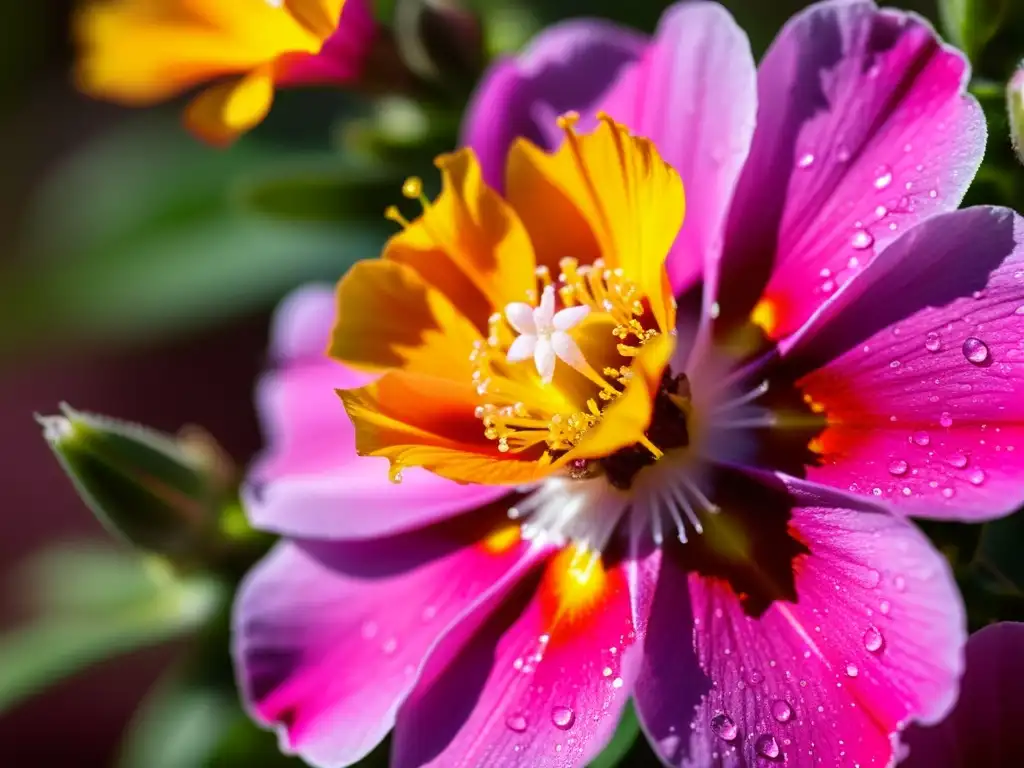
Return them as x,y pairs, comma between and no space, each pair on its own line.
393,214
413,188
567,122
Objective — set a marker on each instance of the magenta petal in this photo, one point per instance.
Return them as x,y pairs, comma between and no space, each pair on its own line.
329,637
927,413
984,728
873,640
531,688
309,482
566,67
864,130
694,94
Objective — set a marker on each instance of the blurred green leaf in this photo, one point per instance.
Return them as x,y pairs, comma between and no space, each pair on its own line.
621,743
971,24
92,622
146,232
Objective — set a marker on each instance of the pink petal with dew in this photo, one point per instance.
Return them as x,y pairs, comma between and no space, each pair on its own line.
926,389
694,94
985,726
309,481
864,130
330,636
533,687
874,639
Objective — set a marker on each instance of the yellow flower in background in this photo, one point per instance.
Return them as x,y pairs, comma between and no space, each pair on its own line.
140,52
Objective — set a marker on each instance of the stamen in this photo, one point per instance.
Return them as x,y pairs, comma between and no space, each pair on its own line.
767,421
393,214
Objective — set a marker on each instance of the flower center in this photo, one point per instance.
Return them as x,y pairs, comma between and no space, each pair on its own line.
537,372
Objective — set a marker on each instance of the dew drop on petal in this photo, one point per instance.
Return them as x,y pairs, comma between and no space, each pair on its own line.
862,240
932,342
516,723
884,607
873,641
898,467
781,711
851,670
976,477
976,351
724,727
945,420
806,160
1019,310
883,177
767,746
958,460
617,683
563,718
921,438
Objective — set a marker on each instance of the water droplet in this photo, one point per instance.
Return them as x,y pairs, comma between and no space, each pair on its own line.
828,286
781,711
976,351
429,612
755,678
851,670
563,718
607,671
516,723
948,493
618,682
873,640
806,160
862,240
1019,310
898,467
976,477
958,460
921,438
900,583
883,177
932,342
767,746
390,646
724,727
843,154
945,420
884,607
881,211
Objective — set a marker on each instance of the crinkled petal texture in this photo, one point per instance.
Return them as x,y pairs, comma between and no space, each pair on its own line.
872,638
470,255
310,482
864,129
694,94
542,683
567,67
985,726
140,52
330,637
919,363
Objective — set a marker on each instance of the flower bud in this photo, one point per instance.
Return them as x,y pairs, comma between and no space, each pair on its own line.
439,39
1015,110
164,494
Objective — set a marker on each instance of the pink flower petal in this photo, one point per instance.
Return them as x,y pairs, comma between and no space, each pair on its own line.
873,639
984,728
864,130
309,481
537,686
329,637
566,67
928,413
694,94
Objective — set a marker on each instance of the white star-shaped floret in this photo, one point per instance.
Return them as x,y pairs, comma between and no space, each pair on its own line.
543,334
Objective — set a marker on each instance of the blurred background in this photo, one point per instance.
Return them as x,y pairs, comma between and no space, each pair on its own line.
137,274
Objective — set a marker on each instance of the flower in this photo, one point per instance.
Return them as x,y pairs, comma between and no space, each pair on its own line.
709,508
139,52
984,727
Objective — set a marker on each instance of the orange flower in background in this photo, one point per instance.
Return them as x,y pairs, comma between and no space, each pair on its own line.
523,334
140,52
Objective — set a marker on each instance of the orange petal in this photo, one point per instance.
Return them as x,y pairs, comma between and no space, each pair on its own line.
389,317
424,421
222,113
625,420
320,17
631,200
144,51
487,259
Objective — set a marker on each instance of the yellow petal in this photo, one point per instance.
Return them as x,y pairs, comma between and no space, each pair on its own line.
630,198
483,241
144,51
221,113
320,17
425,421
389,317
625,420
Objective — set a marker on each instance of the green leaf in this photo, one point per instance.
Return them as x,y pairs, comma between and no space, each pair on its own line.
621,743
93,621
971,24
146,233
